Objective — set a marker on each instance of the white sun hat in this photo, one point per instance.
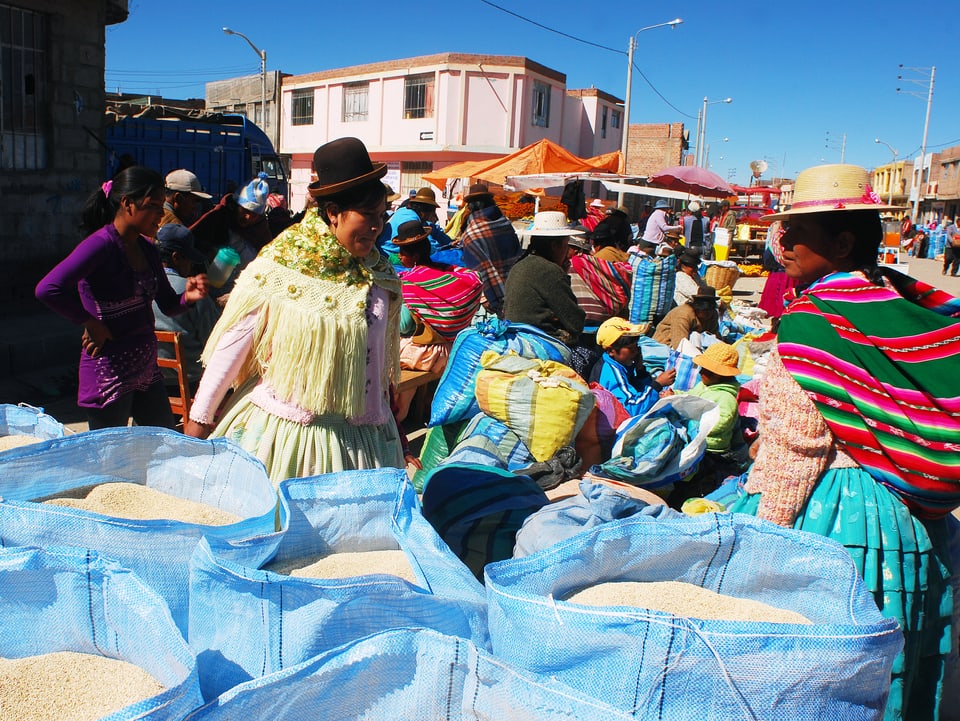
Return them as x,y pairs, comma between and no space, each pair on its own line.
551,222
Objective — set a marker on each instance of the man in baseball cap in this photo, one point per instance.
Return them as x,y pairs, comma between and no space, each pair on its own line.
184,194
620,369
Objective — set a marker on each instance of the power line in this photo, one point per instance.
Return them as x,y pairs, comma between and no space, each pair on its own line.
177,73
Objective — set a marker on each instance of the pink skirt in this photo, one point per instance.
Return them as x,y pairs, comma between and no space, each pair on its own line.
777,285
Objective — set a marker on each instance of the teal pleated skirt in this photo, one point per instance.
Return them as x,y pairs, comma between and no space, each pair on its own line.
905,563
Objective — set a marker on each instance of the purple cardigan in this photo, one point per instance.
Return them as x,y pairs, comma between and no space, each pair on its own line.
96,280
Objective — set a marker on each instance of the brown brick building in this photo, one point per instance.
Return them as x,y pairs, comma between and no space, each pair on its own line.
654,146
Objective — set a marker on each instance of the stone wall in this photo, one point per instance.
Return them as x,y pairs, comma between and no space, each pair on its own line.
39,209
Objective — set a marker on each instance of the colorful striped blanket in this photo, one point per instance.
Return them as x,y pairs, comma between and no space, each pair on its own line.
446,300
609,282
882,365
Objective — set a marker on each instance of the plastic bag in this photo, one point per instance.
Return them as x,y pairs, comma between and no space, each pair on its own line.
25,420
654,281
70,599
657,665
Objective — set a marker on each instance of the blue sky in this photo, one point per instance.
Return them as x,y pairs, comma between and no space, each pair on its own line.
801,75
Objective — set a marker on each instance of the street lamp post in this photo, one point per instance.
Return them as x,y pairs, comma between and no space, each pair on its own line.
893,169
625,133
262,54
701,157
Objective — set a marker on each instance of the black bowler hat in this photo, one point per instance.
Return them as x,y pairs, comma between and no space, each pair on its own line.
343,164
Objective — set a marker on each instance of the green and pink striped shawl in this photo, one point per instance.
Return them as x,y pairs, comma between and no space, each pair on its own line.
446,300
882,365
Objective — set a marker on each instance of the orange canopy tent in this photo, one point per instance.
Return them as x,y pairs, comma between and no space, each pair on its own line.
541,157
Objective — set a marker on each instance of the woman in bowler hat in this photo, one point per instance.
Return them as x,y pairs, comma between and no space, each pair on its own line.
309,337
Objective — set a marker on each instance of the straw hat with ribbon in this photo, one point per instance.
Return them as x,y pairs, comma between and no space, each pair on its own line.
829,188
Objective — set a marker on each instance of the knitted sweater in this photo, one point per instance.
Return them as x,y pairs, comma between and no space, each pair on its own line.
796,447
538,293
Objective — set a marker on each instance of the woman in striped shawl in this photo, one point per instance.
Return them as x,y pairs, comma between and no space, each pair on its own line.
439,301
860,420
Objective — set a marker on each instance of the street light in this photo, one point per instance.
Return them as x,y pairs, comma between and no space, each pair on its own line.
893,169
701,157
625,133
262,54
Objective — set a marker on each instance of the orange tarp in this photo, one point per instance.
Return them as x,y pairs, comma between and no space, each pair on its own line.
543,156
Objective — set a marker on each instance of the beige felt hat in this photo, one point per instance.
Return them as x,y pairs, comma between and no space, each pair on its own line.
829,188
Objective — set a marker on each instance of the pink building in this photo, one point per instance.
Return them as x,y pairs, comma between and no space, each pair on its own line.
421,114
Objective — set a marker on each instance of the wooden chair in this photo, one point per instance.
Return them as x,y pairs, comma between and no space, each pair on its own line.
179,404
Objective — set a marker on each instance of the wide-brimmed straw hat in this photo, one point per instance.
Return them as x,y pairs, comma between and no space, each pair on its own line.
342,164
829,188
551,223
410,232
425,196
719,358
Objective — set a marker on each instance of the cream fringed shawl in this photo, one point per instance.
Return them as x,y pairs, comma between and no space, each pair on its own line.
310,298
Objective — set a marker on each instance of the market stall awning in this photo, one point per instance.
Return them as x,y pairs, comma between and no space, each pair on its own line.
756,189
541,157
553,180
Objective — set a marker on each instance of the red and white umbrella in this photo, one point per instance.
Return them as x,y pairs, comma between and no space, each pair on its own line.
693,180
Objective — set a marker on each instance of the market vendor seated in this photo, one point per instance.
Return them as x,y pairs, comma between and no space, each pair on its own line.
620,369
700,314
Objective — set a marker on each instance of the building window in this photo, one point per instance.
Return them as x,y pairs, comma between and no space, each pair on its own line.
23,89
411,174
603,123
355,97
541,105
418,96
615,119
301,107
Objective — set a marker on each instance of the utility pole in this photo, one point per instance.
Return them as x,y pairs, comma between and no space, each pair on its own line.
921,184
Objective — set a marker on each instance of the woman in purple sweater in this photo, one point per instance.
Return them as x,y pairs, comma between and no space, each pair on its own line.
107,285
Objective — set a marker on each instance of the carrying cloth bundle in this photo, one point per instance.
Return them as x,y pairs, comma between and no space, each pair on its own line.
70,599
24,420
444,300
664,445
607,281
882,366
658,665
247,622
544,402
404,674
455,397
654,281
213,472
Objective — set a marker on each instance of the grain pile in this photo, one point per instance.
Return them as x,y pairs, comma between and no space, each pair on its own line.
70,686
345,565
138,502
683,599
16,441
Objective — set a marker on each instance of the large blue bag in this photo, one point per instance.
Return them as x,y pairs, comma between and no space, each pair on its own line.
654,281
214,472
455,397
246,622
660,666
405,674
70,599
24,420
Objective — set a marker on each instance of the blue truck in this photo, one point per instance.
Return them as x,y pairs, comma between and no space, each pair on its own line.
224,150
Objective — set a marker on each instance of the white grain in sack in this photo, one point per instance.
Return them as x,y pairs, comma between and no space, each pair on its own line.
346,565
138,502
16,441
70,686
683,599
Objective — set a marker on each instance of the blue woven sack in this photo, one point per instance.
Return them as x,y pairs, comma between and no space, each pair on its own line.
215,472
688,373
510,451
455,399
246,622
69,599
656,665
25,420
405,674
654,281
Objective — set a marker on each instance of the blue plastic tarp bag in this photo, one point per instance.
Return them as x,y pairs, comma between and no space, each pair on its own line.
455,397
69,599
494,436
214,472
658,665
26,420
246,622
405,674
654,281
